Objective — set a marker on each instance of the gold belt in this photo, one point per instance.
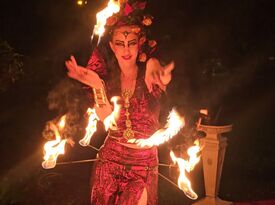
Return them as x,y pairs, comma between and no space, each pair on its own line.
129,167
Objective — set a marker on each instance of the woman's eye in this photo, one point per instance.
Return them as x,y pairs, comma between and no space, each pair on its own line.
132,44
119,44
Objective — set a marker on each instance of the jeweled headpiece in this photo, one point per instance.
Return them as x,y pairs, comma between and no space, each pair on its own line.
132,12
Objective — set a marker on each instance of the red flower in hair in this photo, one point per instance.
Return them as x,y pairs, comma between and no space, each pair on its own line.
127,10
152,43
141,5
142,57
142,40
136,30
147,20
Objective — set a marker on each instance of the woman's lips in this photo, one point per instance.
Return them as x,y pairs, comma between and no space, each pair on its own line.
126,57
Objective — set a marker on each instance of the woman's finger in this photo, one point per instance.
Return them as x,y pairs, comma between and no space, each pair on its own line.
73,60
69,66
157,80
70,63
168,68
148,85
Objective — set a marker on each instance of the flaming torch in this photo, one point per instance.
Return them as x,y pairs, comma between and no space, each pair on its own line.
187,165
90,129
102,16
55,147
174,124
110,121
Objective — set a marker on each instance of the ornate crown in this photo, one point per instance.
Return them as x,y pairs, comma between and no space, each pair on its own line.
132,13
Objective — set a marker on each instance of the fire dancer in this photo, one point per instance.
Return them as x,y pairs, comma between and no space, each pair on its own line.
126,173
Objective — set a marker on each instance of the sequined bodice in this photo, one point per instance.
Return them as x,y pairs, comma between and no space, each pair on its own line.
143,113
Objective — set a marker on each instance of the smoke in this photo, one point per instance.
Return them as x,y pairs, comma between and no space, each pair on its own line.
68,97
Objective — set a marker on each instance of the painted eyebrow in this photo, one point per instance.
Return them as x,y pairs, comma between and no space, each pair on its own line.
132,41
118,41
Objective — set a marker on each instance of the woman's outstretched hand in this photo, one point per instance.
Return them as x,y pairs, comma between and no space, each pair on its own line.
91,79
158,74
82,74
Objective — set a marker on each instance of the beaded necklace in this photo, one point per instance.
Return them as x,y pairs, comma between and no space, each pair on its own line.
128,132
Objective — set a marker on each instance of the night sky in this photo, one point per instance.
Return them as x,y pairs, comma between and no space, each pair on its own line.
224,53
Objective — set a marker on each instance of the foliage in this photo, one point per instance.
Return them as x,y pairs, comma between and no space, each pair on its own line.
11,66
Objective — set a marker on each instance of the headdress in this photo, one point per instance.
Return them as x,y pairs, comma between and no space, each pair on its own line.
132,12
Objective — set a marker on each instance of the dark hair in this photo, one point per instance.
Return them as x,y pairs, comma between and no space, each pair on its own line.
113,78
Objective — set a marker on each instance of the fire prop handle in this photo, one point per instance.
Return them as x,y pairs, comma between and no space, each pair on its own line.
93,160
77,161
169,180
96,149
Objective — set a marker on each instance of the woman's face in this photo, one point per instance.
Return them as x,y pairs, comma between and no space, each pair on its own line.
124,44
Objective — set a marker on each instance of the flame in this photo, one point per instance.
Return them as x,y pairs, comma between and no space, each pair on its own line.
204,111
62,122
187,165
55,147
79,2
110,121
91,127
101,17
174,124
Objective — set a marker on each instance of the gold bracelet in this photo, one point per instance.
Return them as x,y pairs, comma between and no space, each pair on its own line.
100,96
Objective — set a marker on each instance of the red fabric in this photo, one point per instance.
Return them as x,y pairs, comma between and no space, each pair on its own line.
120,176
127,10
122,173
144,113
97,64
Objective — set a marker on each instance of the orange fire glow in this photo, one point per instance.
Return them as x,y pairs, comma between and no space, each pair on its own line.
187,165
91,127
110,121
101,17
204,111
54,148
174,123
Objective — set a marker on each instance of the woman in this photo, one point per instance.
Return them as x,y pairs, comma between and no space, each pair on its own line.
125,173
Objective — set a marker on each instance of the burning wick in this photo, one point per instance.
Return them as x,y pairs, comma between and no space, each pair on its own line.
204,113
55,147
187,165
174,124
102,16
91,127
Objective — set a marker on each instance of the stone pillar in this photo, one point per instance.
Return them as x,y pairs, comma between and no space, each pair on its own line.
212,158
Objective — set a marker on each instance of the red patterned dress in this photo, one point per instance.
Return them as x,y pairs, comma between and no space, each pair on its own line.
122,173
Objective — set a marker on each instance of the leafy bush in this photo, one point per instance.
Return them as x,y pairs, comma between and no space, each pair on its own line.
11,66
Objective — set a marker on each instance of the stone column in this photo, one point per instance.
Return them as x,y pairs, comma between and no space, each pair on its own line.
212,158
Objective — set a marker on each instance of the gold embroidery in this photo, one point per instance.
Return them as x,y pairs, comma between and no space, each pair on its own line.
128,133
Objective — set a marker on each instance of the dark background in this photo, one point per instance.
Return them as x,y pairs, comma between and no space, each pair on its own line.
225,59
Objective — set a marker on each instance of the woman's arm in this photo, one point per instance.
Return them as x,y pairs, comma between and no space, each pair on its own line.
91,78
